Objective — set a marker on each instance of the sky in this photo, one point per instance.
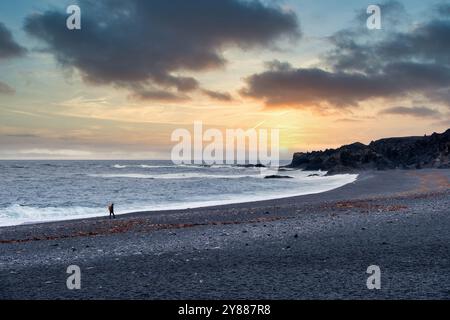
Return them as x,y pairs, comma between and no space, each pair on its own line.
138,70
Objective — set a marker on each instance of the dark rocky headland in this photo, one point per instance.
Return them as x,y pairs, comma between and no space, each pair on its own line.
390,153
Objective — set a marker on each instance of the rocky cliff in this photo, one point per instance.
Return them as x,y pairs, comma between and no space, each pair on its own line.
390,153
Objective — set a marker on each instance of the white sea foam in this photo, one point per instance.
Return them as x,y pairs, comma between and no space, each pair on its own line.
147,166
237,174
144,166
18,214
122,175
173,176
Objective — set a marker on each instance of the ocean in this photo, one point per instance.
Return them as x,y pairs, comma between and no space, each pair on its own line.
40,191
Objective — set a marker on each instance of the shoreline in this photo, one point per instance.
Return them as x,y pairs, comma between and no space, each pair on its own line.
310,246
210,204
100,212
347,191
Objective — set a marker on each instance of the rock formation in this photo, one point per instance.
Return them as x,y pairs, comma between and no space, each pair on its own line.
390,153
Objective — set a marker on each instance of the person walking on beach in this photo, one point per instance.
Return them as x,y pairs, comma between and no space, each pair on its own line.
111,211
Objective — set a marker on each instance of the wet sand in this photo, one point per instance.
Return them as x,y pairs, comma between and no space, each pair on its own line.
307,247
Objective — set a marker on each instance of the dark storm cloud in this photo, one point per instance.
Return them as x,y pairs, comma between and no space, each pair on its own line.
148,42
364,64
354,48
283,85
426,43
418,112
221,96
8,47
